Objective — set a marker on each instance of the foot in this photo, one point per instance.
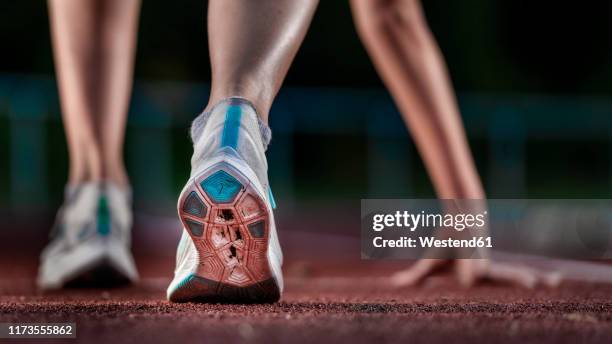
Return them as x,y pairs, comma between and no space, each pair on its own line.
90,240
469,272
229,249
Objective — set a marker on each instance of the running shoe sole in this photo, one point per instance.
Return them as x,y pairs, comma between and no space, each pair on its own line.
229,224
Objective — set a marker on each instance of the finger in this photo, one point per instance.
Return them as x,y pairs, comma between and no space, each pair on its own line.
551,279
416,273
519,275
469,271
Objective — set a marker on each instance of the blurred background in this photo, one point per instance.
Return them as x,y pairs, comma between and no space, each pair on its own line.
533,80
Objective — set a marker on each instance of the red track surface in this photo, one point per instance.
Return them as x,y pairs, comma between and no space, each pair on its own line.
335,298
330,303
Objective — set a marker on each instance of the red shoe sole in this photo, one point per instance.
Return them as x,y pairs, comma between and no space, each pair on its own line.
229,225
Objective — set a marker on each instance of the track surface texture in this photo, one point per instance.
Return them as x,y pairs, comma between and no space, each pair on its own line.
330,296
325,304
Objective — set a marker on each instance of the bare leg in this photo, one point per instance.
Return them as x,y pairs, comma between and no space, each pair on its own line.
117,45
404,52
408,60
252,44
73,27
94,44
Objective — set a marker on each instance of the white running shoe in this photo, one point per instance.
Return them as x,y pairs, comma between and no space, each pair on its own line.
91,237
229,250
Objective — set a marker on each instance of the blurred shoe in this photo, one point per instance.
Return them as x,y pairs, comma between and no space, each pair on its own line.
91,239
229,249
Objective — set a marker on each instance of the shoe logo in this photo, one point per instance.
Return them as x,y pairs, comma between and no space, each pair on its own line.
221,187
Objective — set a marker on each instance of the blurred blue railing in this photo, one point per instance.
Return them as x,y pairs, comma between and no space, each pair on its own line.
27,103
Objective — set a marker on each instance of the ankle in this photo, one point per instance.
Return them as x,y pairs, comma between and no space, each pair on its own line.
258,99
117,175
200,122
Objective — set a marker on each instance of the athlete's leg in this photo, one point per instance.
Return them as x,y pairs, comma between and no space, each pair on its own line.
406,56
229,248
252,44
408,60
93,42
118,25
73,28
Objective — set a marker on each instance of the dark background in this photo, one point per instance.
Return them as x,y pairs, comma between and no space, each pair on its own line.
515,46
545,63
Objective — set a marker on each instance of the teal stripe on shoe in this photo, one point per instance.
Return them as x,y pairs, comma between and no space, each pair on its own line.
231,127
271,198
103,217
182,283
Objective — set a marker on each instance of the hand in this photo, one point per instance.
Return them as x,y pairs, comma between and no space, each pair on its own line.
471,271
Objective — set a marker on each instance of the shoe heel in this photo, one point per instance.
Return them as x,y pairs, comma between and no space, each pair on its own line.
229,225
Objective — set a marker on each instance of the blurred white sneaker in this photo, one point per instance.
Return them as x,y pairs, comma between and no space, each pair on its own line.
229,250
91,239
